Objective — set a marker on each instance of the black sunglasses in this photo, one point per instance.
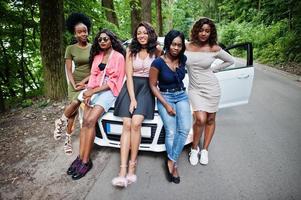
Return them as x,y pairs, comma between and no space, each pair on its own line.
102,66
105,39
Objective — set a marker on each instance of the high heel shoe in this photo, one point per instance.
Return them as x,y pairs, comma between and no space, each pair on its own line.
132,178
120,181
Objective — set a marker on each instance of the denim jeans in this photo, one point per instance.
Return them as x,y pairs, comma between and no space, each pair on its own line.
176,127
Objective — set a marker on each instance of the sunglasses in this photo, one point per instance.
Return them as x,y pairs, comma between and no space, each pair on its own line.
105,39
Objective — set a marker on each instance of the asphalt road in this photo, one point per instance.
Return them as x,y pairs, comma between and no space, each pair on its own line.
255,153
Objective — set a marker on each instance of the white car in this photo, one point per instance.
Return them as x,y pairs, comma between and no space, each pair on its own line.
235,82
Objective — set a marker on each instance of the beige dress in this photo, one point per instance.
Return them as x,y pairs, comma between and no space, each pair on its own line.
204,90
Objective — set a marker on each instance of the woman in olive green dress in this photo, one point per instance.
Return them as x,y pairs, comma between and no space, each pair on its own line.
79,25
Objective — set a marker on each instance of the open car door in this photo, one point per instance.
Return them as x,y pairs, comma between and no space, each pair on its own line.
236,80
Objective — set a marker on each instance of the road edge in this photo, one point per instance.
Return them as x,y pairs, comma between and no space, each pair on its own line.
291,76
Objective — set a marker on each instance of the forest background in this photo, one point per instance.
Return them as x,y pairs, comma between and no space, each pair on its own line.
34,37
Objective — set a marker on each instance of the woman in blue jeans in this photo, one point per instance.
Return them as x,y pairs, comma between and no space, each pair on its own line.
168,72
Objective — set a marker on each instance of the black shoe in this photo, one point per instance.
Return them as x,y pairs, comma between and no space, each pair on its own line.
168,174
176,180
73,166
82,170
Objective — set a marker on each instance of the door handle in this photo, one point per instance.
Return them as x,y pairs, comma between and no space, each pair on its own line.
243,76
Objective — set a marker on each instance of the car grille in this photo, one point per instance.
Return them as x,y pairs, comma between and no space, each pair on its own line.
97,130
161,139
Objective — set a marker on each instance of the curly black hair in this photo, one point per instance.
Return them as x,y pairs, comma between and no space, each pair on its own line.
197,27
169,37
76,18
152,43
116,45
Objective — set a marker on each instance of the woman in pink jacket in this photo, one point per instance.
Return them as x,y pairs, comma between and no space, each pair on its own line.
107,73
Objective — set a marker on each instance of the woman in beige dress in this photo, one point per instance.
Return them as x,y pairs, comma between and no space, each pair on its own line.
204,90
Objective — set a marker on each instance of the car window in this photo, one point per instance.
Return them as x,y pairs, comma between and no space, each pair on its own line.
243,56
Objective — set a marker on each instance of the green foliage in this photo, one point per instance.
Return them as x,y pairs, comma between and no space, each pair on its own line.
26,103
21,72
123,12
274,28
272,44
94,10
20,67
182,14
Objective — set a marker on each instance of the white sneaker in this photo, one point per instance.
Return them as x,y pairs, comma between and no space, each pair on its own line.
194,156
204,157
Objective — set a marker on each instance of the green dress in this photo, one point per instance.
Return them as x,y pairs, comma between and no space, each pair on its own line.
80,57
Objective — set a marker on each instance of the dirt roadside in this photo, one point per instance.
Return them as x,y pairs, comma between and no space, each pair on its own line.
33,165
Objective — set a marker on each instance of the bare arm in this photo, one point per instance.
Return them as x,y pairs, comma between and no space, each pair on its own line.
68,64
224,56
153,80
129,81
89,92
82,84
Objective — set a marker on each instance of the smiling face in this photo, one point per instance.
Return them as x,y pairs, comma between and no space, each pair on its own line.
142,35
204,33
81,32
104,41
176,47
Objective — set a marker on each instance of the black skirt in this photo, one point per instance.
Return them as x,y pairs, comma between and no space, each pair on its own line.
144,97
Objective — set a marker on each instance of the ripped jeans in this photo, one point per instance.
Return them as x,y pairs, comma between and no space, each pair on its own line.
176,127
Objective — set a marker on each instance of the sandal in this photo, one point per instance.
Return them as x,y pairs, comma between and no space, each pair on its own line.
132,178
59,125
120,181
68,145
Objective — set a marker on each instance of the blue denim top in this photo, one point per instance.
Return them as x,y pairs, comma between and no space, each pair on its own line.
169,79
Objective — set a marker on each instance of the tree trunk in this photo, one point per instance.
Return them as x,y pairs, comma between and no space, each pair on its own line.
135,6
52,48
5,76
22,70
110,13
146,6
159,17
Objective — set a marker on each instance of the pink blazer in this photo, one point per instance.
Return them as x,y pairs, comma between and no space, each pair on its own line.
115,70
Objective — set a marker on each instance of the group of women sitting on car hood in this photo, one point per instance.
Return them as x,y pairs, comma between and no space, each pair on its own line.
98,82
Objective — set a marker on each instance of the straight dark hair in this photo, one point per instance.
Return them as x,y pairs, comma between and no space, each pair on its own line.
169,37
